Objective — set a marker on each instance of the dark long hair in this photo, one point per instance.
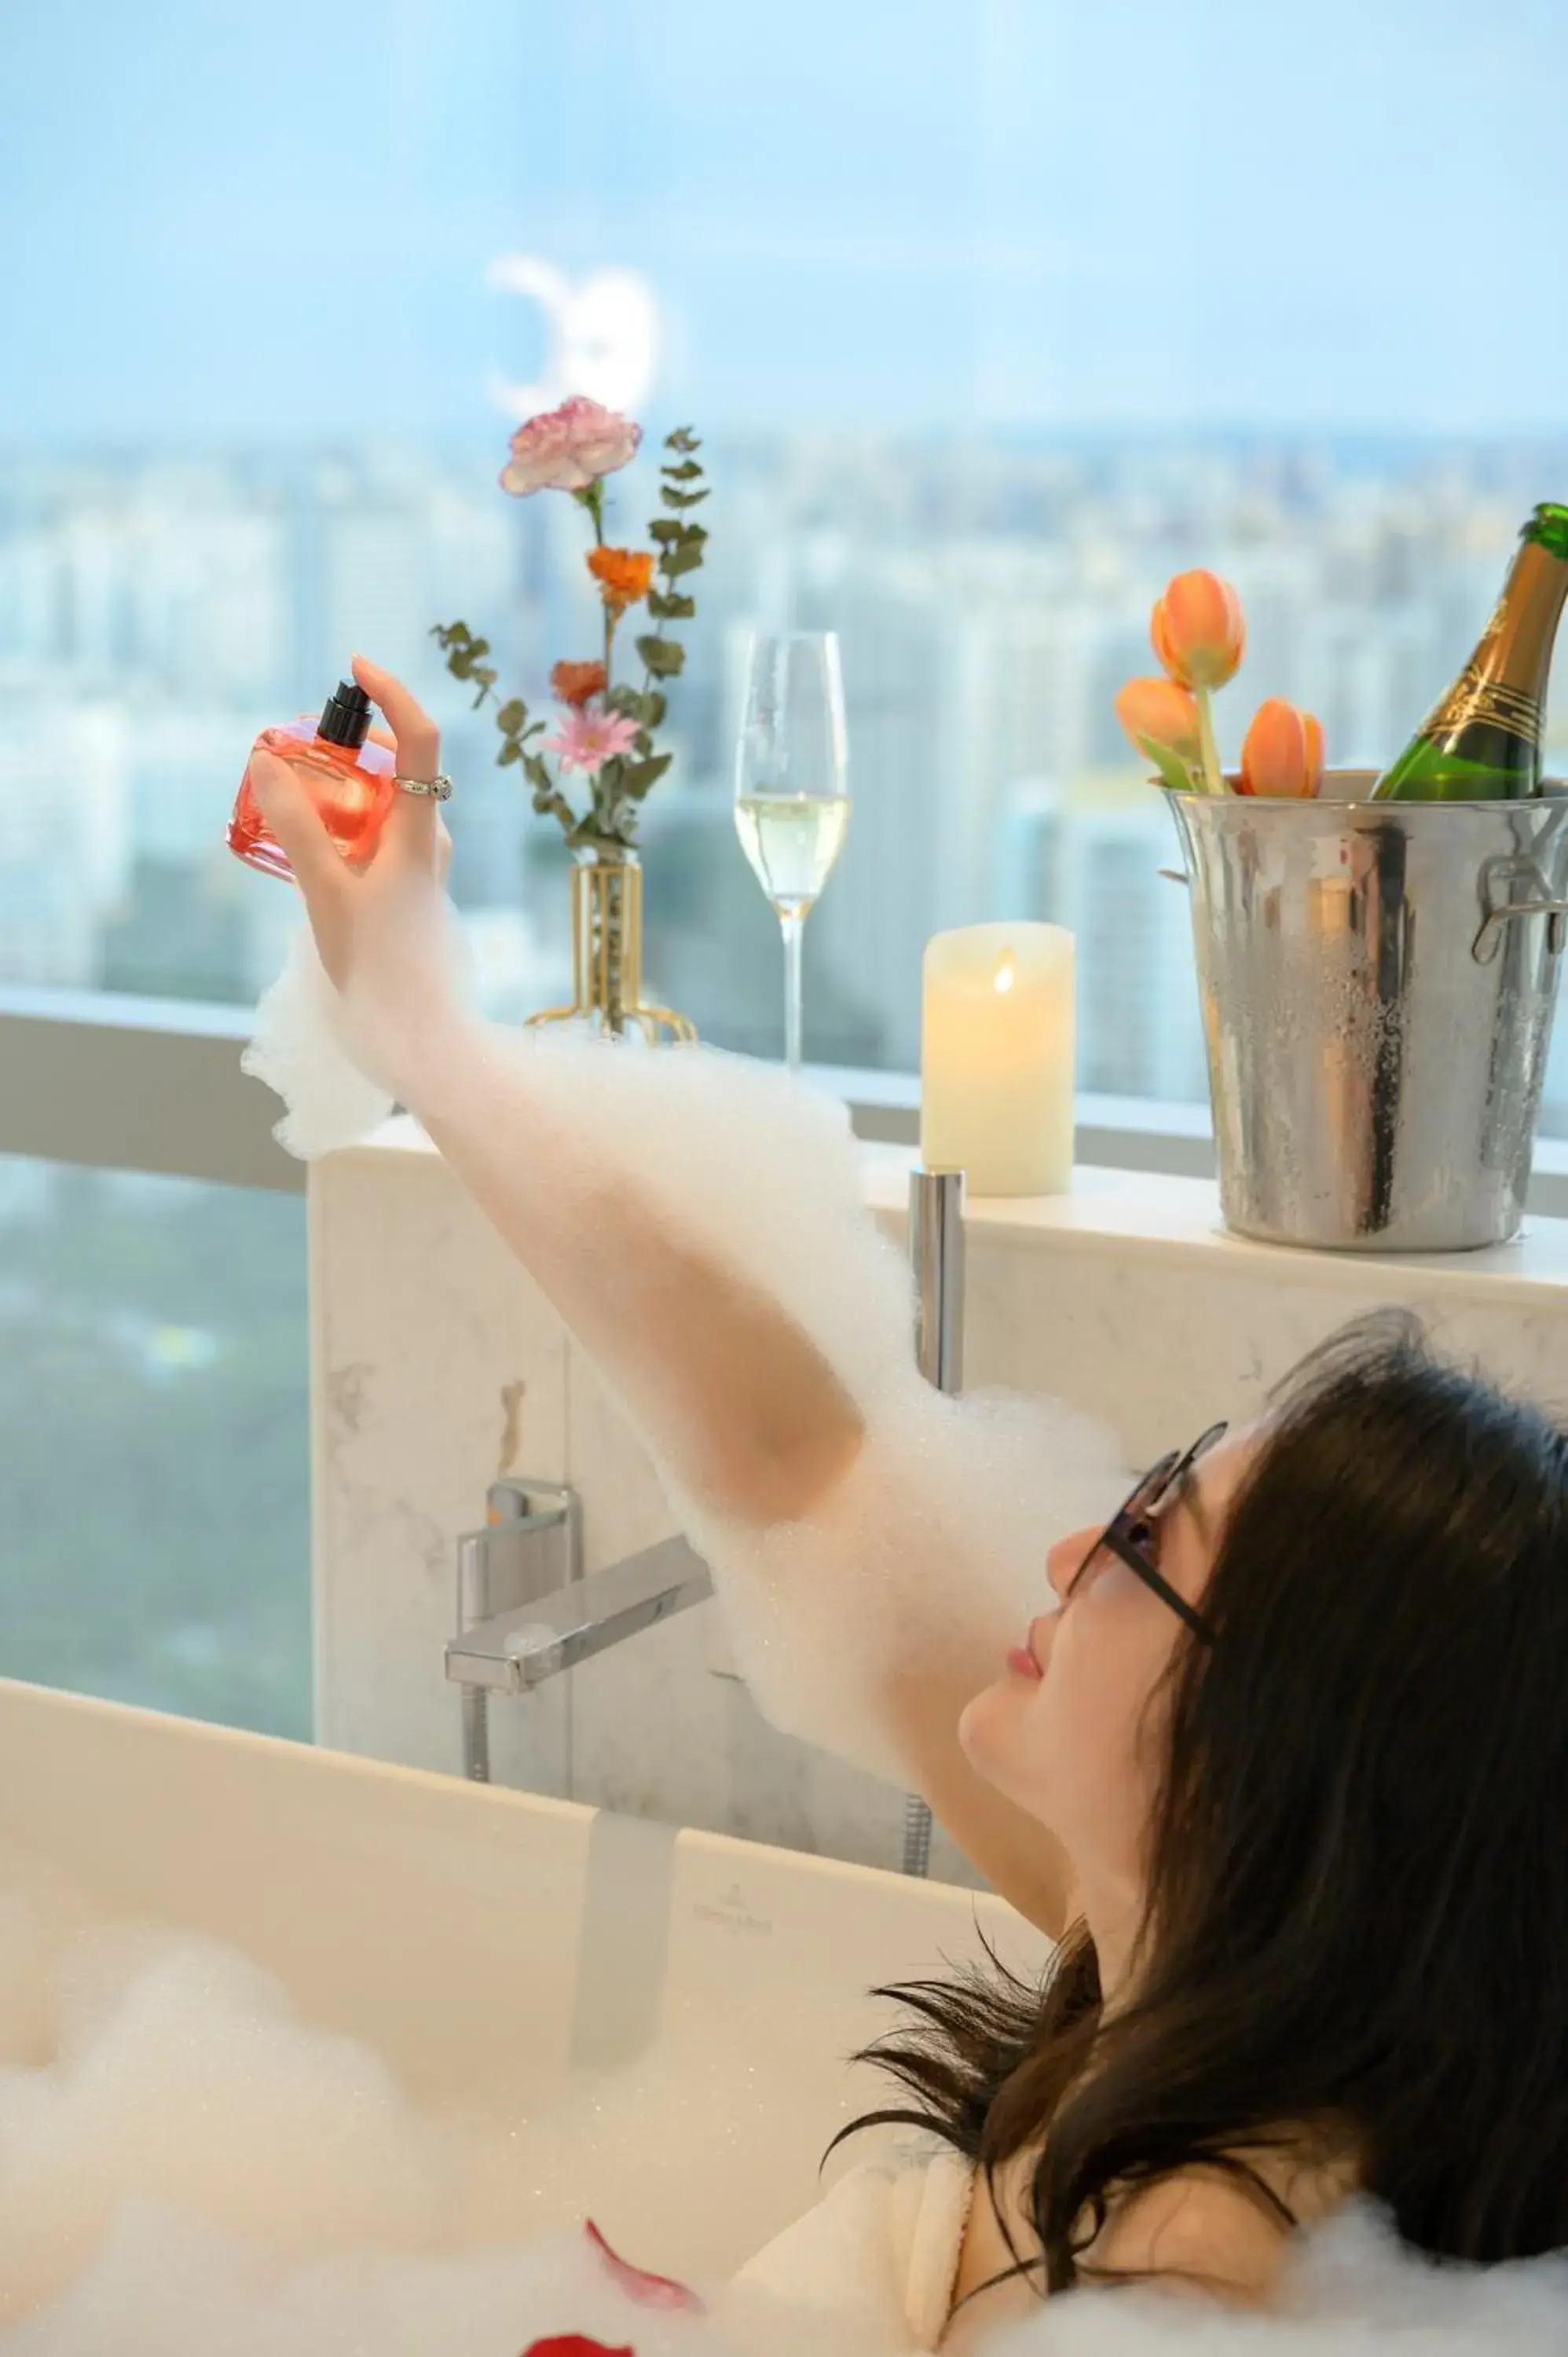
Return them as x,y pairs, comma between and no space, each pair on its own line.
1356,1921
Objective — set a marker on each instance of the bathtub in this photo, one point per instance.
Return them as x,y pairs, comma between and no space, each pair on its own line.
490,1942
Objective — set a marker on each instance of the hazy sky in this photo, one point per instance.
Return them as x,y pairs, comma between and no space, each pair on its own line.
219,220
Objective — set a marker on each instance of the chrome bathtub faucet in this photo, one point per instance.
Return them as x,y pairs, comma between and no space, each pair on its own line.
525,1612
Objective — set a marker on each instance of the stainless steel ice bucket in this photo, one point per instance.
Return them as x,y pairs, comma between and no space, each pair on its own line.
1377,981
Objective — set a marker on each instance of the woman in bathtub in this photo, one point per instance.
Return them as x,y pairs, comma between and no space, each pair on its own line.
1281,1758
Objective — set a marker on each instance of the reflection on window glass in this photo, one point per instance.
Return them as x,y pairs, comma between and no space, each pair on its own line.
991,318
154,1474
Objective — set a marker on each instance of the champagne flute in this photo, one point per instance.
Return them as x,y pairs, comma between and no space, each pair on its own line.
791,787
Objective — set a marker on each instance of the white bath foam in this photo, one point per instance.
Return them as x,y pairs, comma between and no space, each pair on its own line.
182,2128
164,2285
168,2287
1349,2290
195,2173
294,1051
182,2076
931,1551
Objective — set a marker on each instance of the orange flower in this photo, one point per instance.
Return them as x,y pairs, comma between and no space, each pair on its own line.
623,574
576,683
1283,751
1161,720
1197,630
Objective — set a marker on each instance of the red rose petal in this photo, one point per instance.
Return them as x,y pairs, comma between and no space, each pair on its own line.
575,2344
648,2291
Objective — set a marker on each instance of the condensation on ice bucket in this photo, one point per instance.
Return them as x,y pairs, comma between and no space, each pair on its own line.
1377,982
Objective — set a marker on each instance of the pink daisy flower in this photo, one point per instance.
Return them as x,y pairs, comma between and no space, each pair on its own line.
588,739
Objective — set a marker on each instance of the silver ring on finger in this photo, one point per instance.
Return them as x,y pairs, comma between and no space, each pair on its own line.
437,789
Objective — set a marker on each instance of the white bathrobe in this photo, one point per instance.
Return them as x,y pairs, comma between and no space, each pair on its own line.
869,2273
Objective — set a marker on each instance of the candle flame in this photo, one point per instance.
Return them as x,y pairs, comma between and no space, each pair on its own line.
1005,974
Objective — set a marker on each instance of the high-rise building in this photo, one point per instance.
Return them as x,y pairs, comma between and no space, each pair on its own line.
892,888
64,841
1091,858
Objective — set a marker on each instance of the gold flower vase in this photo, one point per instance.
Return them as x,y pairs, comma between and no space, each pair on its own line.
607,953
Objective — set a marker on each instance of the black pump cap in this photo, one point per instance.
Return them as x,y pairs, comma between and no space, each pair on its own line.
346,715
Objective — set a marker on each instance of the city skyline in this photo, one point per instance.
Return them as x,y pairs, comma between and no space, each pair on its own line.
153,614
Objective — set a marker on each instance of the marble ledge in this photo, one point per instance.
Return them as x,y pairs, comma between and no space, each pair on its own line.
1149,1217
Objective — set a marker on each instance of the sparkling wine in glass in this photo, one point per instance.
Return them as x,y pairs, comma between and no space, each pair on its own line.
791,787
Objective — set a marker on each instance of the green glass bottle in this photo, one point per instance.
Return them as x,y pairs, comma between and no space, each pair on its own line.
1481,742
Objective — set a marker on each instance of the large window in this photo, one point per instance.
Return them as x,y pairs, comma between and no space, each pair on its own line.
154,1479
991,316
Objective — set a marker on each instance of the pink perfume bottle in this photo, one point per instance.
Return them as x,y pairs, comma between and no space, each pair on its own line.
349,781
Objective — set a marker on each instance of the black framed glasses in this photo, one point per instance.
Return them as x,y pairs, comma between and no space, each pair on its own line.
1129,1535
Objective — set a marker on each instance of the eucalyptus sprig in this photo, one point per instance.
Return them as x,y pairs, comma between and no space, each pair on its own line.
464,654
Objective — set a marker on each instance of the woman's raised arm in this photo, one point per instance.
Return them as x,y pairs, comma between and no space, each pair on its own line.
727,1388
696,1221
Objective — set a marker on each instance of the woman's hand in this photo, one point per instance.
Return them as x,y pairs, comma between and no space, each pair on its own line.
349,910
381,931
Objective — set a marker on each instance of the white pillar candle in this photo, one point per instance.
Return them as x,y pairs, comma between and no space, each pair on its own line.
996,1060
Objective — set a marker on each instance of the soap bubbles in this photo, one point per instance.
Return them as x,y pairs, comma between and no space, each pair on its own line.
188,2169
166,2284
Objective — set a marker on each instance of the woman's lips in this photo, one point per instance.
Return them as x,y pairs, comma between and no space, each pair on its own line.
1027,1660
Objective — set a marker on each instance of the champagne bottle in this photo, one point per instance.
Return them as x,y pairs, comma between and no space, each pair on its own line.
1481,741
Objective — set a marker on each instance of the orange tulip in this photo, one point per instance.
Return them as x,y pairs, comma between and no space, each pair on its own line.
1161,720
1283,752
1199,630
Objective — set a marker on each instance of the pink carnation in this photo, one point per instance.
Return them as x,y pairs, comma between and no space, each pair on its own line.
588,739
566,449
